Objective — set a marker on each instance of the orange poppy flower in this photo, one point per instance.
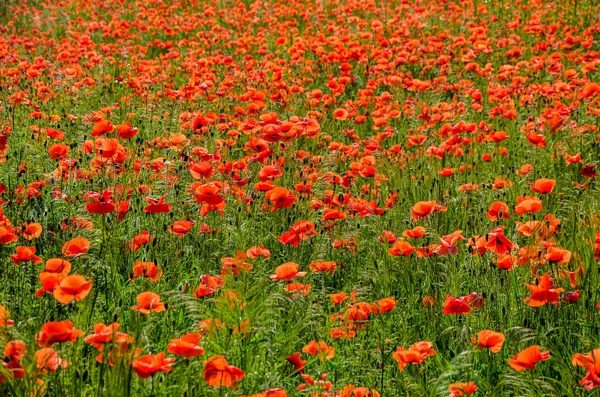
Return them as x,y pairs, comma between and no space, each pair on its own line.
558,255
236,264
140,239
417,232
25,254
7,235
125,131
75,247
447,171
384,305
416,354
323,266
543,186
107,148
31,230
208,286
269,172
56,332
338,298
147,270
543,293
72,287
591,362
422,209
186,346
388,236
319,348
150,364
498,243
462,389
102,127
209,194
258,251
57,265
200,170
298,289
532,228
401,248
218,373
280,197
490,339
180,228
287,272
149,302
47,359
527,204
505,261
448,244
104,334
498,210
528,358
13,370
333,214
15,350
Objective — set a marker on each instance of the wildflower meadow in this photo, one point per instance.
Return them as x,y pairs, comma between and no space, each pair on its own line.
320,198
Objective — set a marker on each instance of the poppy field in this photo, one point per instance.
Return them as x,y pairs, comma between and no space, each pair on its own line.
341,198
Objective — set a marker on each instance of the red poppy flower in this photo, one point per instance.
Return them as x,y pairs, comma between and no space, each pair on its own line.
416,232
456,306
218,373
31,230
102,127
498,210
543,293
149,302
157,206
102,204
528,358
150,364
490,339
208,286
105,334
543,186
72,287
280,197
47,359
125,131
462,389
186,346
422,209
319,348
258,251
75,247
416,354
287,271
297,361
147,270
53,332
591,362
25,254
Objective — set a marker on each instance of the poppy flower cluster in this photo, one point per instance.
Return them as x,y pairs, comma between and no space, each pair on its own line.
283,196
